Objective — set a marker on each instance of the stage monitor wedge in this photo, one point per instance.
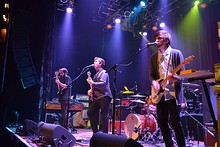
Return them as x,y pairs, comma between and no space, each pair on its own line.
108,140
56,135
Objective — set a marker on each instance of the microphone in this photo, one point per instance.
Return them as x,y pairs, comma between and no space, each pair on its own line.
152,43
89,65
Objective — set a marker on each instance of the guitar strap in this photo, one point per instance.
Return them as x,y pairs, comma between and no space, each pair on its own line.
168,65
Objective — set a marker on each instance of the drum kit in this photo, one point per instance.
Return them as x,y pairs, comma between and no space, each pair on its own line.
140,124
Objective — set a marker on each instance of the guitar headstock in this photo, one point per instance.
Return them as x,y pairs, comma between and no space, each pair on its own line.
56,73
89,74
189,59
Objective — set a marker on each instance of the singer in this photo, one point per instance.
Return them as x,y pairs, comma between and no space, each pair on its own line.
102,96
162,63
64,93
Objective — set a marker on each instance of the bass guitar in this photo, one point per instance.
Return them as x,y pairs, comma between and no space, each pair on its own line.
157,95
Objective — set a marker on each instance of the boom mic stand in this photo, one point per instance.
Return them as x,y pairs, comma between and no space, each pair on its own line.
114,68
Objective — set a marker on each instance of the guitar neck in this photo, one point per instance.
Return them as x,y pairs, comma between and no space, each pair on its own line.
172,73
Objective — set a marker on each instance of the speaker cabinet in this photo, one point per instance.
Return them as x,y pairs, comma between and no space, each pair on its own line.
209,140
56,135
30,127
108,140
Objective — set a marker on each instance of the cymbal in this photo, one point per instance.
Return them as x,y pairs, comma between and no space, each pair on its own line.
137,95
191,84
138,101
127,92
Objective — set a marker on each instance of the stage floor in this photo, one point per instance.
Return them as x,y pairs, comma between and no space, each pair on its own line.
83,137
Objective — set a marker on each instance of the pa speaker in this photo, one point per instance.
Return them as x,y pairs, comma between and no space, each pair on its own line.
56,135
30,127
108,140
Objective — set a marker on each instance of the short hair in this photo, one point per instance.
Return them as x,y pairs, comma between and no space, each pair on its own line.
166,36
64,70
101,60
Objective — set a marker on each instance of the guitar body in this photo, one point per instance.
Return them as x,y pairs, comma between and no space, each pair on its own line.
91,87
156,96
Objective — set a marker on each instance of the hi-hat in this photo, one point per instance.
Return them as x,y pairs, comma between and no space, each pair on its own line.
127,92
138,101
137,95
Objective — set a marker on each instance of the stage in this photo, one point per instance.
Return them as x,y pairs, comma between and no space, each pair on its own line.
83,137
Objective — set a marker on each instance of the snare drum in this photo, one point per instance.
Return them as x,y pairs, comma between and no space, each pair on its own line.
136,125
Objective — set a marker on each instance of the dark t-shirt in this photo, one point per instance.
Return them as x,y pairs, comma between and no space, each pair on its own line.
65,93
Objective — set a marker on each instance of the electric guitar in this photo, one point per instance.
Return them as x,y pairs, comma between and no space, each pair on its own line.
91,87
157,95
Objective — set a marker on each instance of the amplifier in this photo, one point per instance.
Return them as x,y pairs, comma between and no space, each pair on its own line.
217,72
209,140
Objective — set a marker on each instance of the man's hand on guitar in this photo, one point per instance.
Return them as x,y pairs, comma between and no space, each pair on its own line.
156,86
90,81
90,92
174,78
60,84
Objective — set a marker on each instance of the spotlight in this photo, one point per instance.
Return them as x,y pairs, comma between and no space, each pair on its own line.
109,26
69,10
154,28
117,20
64,1
144,33
196,2
142,3
203,6
162,24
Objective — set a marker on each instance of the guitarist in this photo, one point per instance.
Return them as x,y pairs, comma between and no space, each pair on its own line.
102,96
64,92
162,63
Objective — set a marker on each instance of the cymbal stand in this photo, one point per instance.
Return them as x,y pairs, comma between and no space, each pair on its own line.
199,124
187,131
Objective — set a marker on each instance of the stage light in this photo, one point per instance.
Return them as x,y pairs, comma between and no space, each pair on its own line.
144,33
109,26
162,24
142,3
64,1
203,6
117,20
196,2
69,10
154,28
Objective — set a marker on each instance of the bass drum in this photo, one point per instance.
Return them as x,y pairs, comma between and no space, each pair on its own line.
192,100
136,125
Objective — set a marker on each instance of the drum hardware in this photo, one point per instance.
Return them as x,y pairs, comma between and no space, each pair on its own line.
193,100
136,125
154,137
137,96
138,101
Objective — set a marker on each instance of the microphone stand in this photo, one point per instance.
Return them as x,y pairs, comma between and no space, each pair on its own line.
114,68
